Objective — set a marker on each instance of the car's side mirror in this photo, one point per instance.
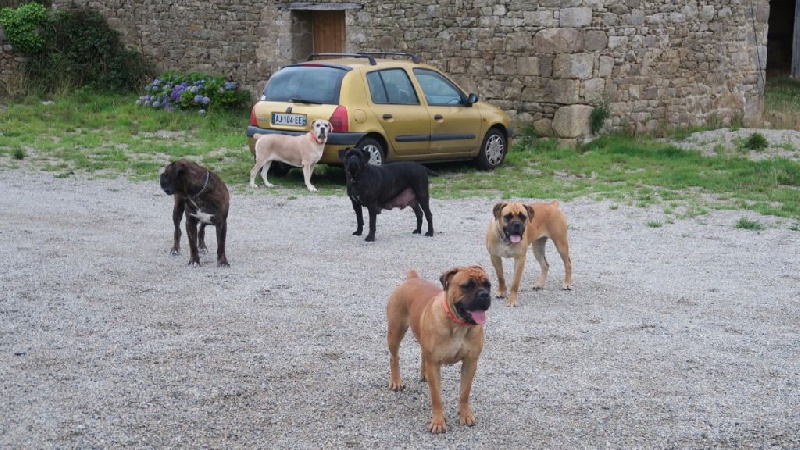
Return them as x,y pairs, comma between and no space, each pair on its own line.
471,99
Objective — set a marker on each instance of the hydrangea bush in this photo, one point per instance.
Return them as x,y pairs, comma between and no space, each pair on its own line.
195,91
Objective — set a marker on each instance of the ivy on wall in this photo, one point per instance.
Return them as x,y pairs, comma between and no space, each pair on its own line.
26,27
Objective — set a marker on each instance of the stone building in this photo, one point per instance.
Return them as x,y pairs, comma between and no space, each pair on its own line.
655,63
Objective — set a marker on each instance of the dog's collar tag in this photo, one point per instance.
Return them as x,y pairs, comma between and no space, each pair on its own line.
450,314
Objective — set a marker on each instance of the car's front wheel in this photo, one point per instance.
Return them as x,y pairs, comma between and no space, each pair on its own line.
493,150
377,154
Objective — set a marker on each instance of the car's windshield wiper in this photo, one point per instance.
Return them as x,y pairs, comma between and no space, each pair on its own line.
303,100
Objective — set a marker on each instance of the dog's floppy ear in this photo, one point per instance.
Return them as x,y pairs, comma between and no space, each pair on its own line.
342,152
175,169
447,276
498,208
364,154
330,126
530,212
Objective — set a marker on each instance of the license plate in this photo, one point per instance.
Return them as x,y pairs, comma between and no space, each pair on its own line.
298,120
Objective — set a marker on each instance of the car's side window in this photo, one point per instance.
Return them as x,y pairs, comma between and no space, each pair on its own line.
438,90
391,86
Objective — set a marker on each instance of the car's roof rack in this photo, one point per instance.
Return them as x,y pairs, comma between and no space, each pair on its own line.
314,56
368,55
410,56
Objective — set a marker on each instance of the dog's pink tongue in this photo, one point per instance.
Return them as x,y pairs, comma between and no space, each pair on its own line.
515,238
478,317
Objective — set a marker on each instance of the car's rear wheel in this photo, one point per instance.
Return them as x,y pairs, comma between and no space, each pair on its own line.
377,154
279,169
493,150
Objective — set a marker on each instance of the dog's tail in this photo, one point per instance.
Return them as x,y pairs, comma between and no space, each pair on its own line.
257,136
412,274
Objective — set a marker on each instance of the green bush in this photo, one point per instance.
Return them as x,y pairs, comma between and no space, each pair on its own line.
73,48
756,141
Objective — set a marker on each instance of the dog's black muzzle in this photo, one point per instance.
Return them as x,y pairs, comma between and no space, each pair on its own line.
353,166
481,301
515,227
165,186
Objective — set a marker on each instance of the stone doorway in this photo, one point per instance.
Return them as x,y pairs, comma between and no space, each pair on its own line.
319,28
780,37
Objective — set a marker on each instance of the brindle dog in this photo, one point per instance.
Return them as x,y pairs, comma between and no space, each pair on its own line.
203,197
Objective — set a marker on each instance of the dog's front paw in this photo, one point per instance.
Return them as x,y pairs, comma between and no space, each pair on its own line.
370,238
223,263
466,418
417,231
396,385
312,188
437,425
253,185
429,234
194,263
566,287
175,251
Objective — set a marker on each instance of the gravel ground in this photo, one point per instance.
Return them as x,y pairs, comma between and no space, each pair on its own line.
684,335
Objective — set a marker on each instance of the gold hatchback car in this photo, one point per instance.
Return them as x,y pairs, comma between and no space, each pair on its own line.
387,103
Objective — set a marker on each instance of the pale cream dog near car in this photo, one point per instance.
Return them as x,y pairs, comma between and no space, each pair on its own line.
299,151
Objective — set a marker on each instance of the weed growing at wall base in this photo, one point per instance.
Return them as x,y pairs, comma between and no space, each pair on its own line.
195,91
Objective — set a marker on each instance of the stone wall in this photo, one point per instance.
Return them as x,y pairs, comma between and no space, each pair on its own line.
654,63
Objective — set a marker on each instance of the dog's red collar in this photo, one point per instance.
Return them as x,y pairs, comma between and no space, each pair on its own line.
450,314
314,137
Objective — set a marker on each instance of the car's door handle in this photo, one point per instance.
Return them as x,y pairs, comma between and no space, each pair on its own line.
387,117
438,117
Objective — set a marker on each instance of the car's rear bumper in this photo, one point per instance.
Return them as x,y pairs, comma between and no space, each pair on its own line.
334,138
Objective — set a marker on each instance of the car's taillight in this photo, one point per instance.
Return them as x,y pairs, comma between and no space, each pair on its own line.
253,119
339,120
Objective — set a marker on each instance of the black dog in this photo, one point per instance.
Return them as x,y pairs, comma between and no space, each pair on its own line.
394,185
204,197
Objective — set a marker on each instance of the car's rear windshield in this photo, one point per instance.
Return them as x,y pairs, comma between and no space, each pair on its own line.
312,84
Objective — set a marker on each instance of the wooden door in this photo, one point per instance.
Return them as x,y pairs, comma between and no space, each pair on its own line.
328,31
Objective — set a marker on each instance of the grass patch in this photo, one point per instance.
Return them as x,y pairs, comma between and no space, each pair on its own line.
781,100
108,135
747,224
